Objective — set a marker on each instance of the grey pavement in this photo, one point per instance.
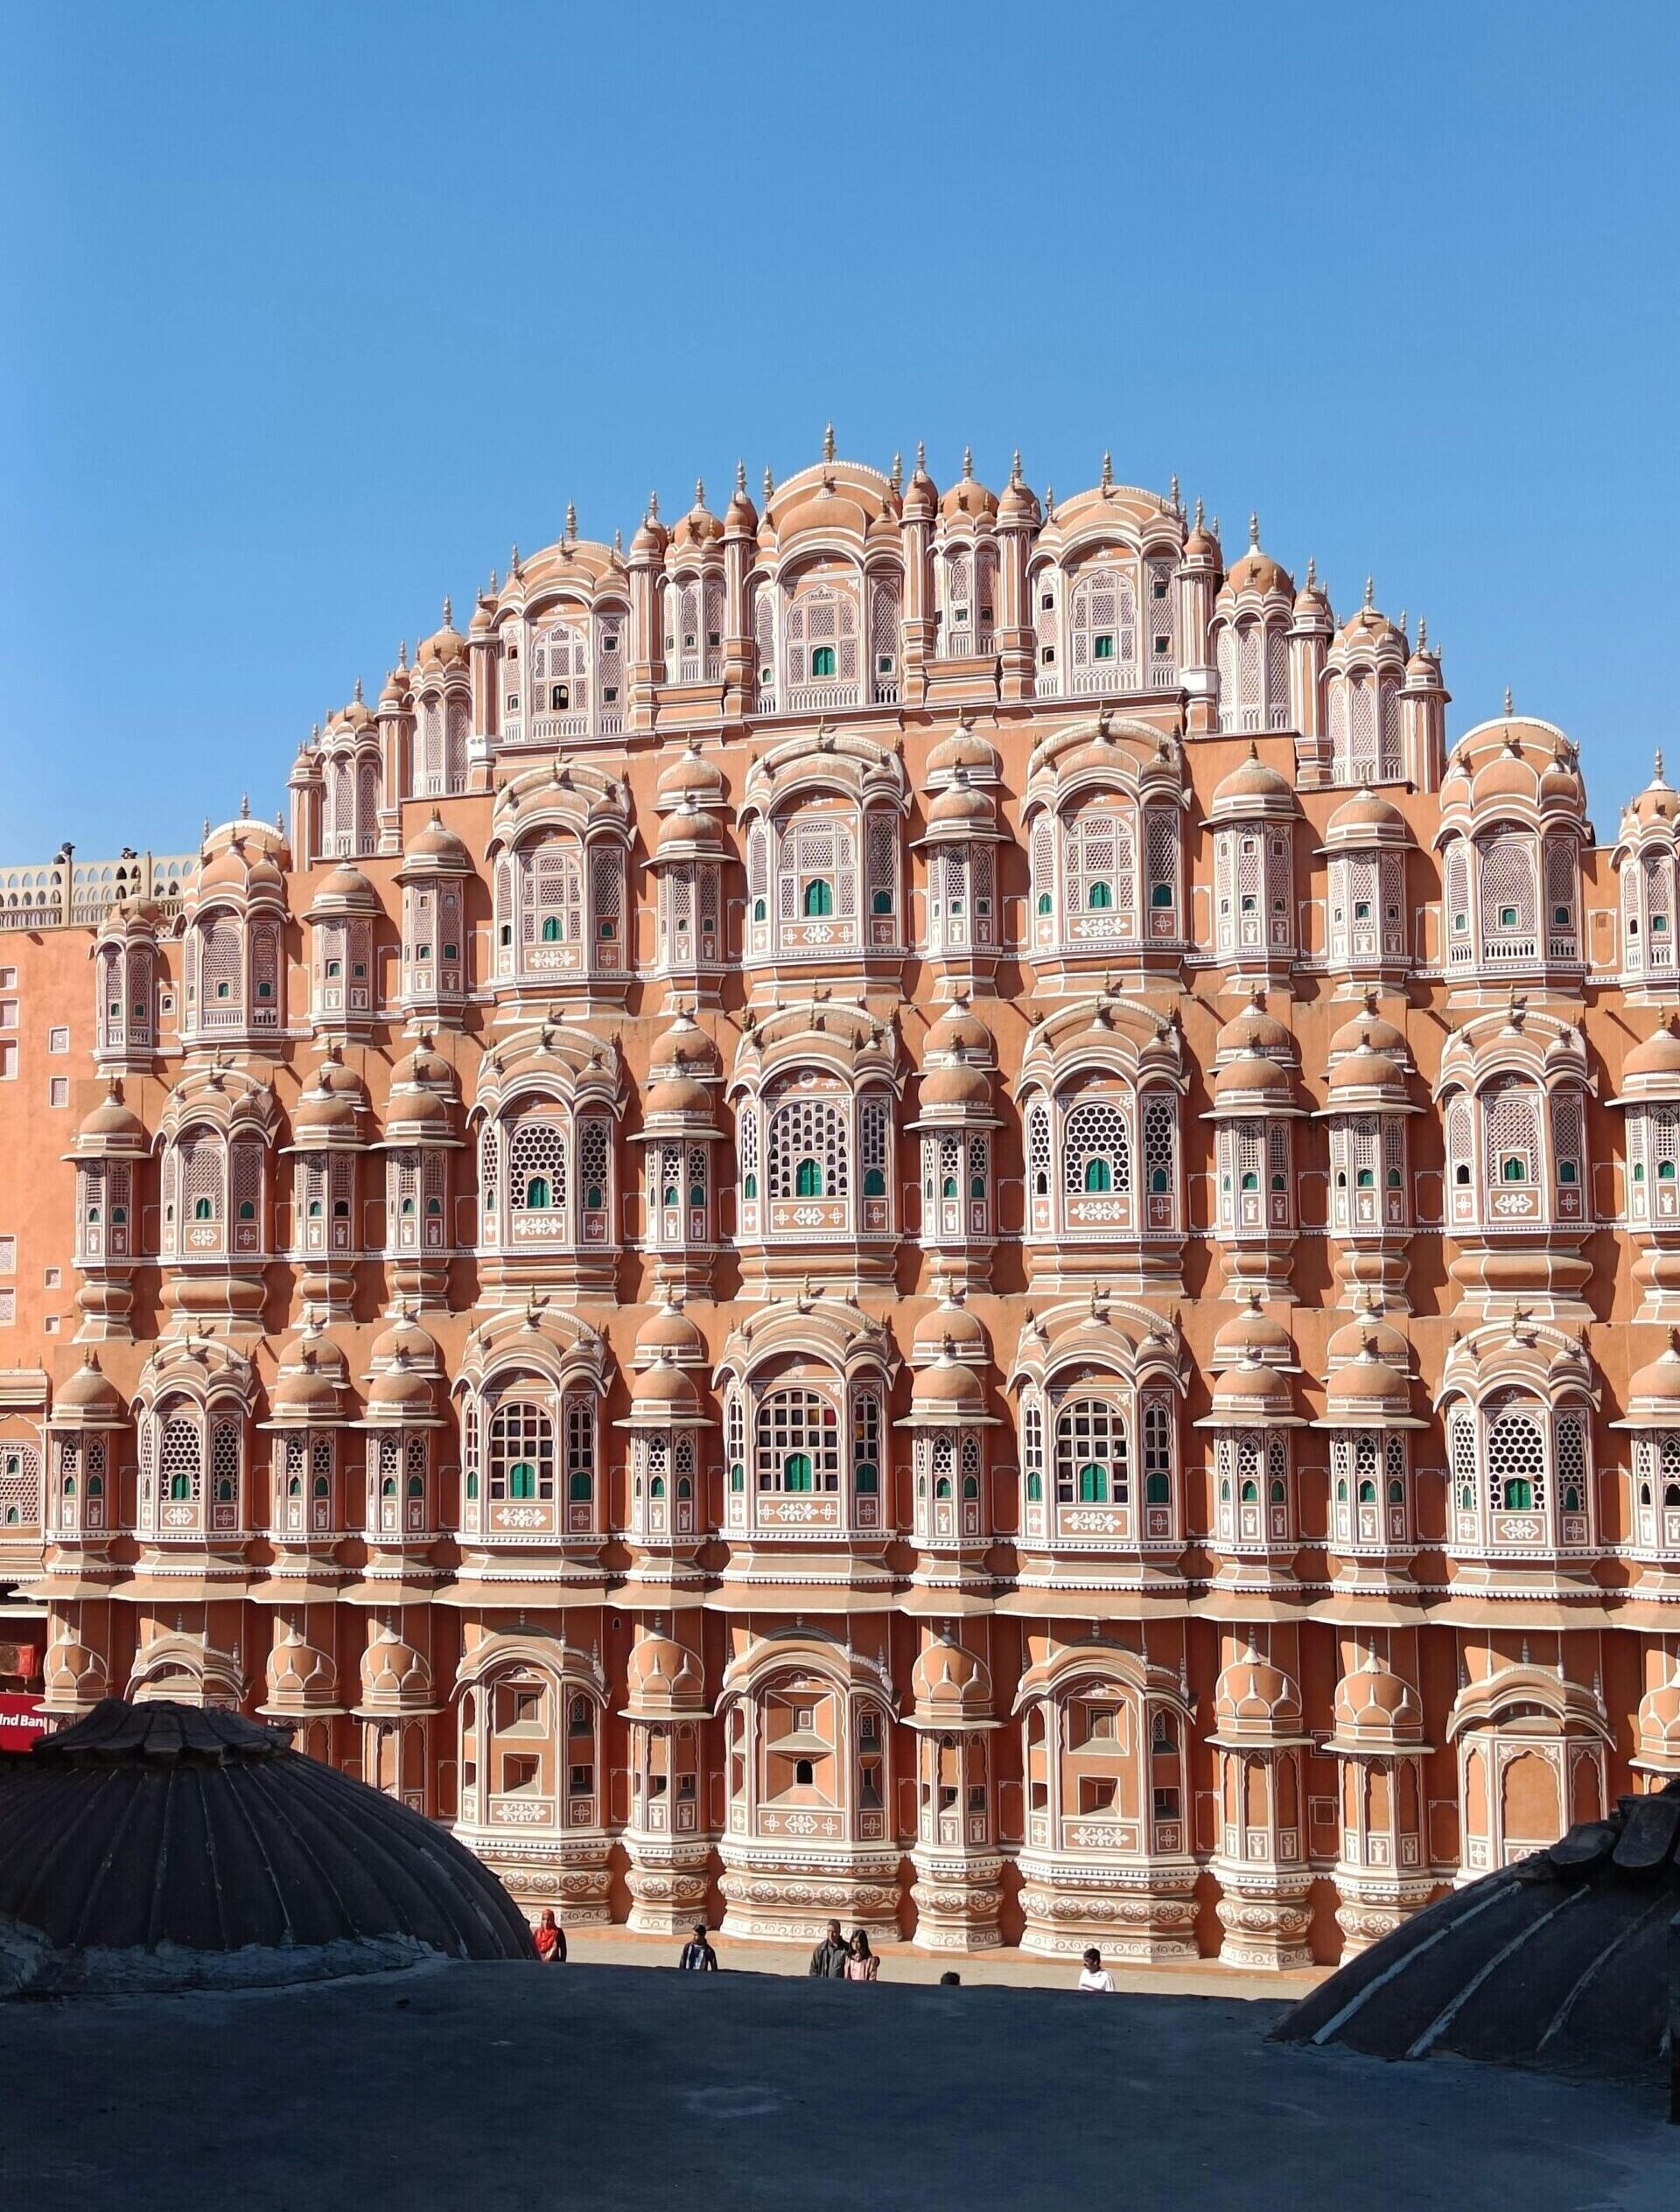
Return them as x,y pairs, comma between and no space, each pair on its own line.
483,2088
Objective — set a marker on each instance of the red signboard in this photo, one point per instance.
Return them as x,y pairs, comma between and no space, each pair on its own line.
21,1720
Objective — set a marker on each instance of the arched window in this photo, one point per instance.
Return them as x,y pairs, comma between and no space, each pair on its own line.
808,1180
819,897
1092,1459
1101,896
522,1451
822,662
798,1442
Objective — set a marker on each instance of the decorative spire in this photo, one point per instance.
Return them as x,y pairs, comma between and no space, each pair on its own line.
1108,472
402,653
358,690
448,613
653,506
1049,502
1173,495
1657,765
1254,531
1311,573
1198,512
512,563
617,543
897,477
244,806
495,586
699,491
827,442
769,487
1423,633
1369,600
740,478
967,464
571,523
1015,466
1507,698
921,458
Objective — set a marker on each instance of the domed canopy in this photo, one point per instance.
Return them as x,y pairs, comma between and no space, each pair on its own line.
1255,1702
1252,790
667,1333
665,1679
1376,1710
1249,1396
172,1834
1562,1961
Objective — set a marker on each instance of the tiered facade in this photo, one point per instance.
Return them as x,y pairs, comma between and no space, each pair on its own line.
902,1207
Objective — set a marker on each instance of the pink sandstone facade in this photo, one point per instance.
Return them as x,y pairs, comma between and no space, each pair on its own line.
902,1207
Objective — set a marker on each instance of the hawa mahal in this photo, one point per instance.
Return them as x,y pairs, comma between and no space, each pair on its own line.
900,1207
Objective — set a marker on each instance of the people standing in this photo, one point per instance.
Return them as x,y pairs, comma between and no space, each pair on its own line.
1093,1975
829,1959
551,1939
862,1965
698,1957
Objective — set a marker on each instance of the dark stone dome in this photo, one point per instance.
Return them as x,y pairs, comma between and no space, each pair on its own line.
172,1834
1569,1961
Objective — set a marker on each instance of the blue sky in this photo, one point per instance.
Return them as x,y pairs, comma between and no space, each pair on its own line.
313,310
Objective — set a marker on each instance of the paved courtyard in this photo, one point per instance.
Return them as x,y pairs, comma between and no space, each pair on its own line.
479,2089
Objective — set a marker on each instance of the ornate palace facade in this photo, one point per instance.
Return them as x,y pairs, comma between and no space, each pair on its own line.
902,1205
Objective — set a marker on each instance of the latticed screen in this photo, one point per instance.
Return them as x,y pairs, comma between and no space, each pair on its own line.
881,851
1508,900
1159,1430
1037,1147
580,1446
606,891
808,1149
1103,623
1461,1439
1044,867
552,882
522,1451
1093,1465
592,1149
1511,1120
180,1471
875,1125
1516,1462
1096,1148
536,1166
797,1442
1160,1141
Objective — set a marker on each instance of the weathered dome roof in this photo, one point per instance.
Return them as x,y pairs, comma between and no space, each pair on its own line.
1373,1705
180,1833
1560,1962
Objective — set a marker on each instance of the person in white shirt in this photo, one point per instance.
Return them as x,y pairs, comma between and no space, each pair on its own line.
1093,1975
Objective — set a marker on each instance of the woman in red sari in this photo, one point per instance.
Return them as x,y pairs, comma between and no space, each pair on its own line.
551,1939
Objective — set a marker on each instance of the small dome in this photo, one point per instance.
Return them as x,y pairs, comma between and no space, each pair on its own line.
327,1113
666,1390
1368,1032
1363,1070
691,776
1258,571
685,1049
963,751
949,1388
962,808
440,847
1369,1333
1249,1076
678,1097
1658,1056
1368,1386
689,825
957,1087
949,1329
960,1031
89,1394
742,518
405,1341
1254,1698
111,1126
663,1678
1250,1395
699,526
1252,787
1658,1727
1254,1335
668,1331
1366,818
1254,1031
378,1882
1657,804
300,1673
1655,1389
966,497
1019,502
1373,1705
395,696
395,1675
401,1393
311,1381
446,648
650,540
951,1684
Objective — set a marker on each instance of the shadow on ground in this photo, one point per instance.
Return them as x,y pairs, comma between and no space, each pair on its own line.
476,2088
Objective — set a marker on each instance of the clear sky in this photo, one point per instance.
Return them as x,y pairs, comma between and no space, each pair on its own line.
309,311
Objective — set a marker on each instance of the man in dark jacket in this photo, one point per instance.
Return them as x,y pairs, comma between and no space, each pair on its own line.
829,1959
698,1957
